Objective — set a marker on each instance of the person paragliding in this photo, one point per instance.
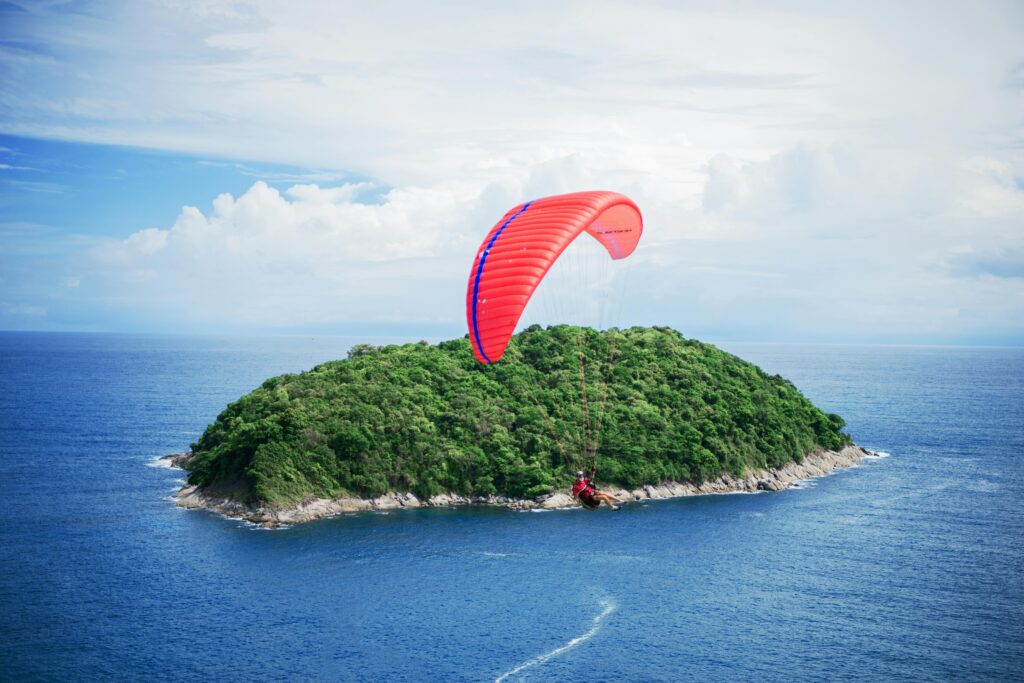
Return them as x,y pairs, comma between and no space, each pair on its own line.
510,264
588,495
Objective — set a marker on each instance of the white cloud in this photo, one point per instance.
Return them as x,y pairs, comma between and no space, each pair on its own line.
994,189
811,243
410,94
310,255
803,169
833,242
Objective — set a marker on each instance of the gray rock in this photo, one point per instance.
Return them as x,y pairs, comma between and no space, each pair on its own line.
558,500
814,464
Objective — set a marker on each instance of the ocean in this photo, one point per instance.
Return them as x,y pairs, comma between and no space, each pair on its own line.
907,567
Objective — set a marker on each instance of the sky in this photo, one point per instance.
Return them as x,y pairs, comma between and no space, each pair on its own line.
807,171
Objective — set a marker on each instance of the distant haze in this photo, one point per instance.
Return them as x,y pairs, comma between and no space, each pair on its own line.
807,171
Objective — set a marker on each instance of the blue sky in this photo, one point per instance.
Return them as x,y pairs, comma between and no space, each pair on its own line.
807,171
82,188
60,199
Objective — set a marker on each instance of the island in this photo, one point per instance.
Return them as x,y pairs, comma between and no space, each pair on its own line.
418,424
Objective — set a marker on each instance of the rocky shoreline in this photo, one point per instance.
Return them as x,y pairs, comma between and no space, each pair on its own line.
815,464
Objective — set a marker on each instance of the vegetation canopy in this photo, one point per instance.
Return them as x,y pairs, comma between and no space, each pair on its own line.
431,419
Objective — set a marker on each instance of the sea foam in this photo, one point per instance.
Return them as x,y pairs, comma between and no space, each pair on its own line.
607,607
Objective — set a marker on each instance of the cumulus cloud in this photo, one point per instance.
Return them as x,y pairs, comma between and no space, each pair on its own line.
840,242
805,171
833,189
995,190
308,255
323,255
813,242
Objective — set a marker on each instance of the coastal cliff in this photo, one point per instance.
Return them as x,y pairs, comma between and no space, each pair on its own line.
816,464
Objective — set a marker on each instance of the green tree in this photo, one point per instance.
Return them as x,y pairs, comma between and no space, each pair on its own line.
430,419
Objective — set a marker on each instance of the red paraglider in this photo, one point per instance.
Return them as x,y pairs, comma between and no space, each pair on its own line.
520,249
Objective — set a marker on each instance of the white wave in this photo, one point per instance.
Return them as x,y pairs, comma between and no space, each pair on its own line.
161,462
256,526
875,455
607,608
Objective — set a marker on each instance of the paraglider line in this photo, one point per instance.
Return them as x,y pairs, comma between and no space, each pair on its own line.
480,271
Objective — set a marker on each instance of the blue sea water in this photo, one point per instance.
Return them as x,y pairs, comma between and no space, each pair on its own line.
909,567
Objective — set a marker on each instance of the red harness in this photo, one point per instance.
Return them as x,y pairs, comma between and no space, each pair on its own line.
583,488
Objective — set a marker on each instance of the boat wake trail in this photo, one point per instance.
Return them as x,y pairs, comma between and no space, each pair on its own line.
607,607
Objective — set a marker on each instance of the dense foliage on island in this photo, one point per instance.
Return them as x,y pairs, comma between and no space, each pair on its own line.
429,419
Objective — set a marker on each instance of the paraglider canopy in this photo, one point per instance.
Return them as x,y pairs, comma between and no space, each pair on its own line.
521,248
